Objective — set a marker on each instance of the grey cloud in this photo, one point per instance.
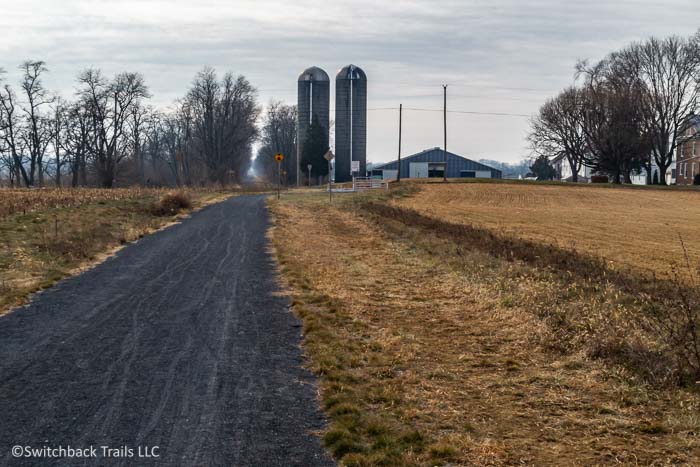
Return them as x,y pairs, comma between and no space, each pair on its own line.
499,55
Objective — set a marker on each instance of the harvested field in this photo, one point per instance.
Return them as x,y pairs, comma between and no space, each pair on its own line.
630,228
433,353
47,234
23,201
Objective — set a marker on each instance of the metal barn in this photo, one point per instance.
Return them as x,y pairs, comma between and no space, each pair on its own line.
431,163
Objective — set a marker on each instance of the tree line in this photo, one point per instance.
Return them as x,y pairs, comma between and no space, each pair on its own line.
279,134
625,113
108,135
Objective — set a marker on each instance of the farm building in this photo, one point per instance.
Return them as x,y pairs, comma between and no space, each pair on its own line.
431,163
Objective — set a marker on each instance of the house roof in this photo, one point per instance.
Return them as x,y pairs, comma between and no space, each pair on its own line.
437,150
557,158
693,121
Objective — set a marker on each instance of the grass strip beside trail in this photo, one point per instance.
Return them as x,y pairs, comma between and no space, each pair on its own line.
367,426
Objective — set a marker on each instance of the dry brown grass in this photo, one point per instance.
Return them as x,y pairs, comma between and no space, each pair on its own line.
48,234
432,353
23,201
650,325
636,229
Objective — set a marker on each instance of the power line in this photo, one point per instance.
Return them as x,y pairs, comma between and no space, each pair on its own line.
424,84
467,112
498,114
472,96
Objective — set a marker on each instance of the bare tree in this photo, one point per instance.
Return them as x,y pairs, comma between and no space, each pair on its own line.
107,133
557,130
110,103
223,123
138,117
669,72
60,136
177,133
25,130
612,120
153,146
10,132
278,134
6,158
184,131
37,131
77,141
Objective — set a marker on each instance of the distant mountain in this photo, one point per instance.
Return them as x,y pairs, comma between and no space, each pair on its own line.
509,170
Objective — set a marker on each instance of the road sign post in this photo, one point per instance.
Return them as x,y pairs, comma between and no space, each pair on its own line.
354,169
329,157
279,157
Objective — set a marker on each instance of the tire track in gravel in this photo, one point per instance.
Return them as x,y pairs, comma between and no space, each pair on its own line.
181,341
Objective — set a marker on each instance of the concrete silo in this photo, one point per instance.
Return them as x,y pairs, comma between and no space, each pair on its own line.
313,101
350,122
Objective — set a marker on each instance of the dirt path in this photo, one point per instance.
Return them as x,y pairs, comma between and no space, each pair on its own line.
181,342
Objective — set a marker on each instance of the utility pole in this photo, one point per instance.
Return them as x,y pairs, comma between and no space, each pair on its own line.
298,149
330,189
444,114
398,173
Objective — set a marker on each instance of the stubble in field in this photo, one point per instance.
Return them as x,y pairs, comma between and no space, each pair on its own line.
632,229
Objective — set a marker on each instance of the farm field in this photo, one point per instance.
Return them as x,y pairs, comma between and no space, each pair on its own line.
631,228
432,352
48,234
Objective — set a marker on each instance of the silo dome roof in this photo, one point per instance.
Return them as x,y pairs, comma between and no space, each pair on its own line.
351,72
314,73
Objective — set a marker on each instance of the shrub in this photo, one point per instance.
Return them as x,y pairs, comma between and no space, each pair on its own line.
599,179
676,324
696,179
172,203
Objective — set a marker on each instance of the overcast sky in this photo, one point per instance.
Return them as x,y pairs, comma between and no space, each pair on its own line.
497,56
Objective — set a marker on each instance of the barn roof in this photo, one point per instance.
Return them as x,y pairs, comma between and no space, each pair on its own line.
437,155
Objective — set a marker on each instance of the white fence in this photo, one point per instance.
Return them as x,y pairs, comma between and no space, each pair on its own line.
369,183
